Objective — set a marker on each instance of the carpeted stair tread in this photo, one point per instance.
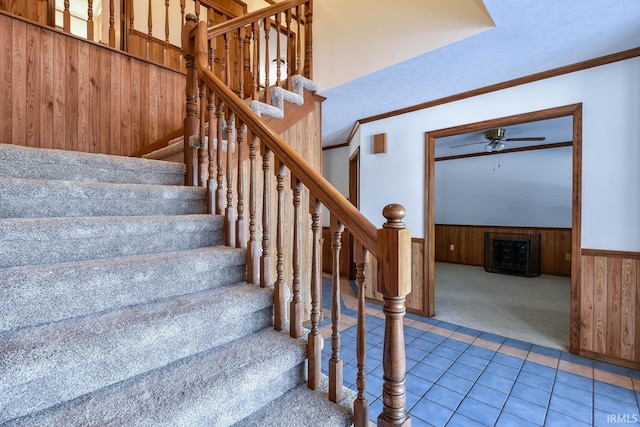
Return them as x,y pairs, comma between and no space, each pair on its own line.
217,387
39,163
173,150
34,295
303,407
31,241
44,365
29,198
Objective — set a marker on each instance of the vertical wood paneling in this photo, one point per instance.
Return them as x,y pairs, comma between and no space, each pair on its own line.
600,304
5,79
84,101
628,309
19,83
125,108
33,87
71,96
95,99
59,90
47,95
105,101
614,290
116,103
586,303
609,310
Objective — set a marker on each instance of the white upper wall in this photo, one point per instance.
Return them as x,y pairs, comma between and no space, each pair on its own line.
525,188
610,150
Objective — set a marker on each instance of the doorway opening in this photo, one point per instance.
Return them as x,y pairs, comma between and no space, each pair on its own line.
574,113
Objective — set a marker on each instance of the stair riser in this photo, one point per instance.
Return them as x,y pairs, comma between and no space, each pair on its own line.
50,199
47,241
33,163
62,362
42,294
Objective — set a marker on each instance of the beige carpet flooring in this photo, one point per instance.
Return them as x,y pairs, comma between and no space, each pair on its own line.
532,309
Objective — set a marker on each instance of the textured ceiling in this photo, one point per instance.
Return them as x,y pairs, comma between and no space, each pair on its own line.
529,36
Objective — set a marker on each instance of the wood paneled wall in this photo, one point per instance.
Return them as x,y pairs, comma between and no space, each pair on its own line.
610,306
415,302
59,91
468,241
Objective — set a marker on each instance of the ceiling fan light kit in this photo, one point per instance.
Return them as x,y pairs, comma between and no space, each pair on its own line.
495,145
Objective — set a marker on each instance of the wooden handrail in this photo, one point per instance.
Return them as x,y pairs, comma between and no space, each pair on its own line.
252,17
359,226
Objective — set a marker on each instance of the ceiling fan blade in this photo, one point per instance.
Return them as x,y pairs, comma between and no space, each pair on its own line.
471,143
535,138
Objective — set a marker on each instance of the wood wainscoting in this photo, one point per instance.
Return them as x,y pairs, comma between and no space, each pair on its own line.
468,242
610,306
60,91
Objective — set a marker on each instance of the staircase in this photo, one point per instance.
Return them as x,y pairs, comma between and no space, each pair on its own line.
120,306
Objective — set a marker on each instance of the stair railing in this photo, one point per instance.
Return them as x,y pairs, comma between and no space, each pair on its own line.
390,245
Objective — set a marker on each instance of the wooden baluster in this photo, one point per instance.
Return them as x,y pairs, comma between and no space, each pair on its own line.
298,41
289,50
253,251
90,20
314,341
166,34
213,125
247,78
267,94
280,290
308,60
394,258
182,7
229,213
278,52
227,59
219,158
131,23
265,258
295,307
197,9
191,120
112,23
241,68
256,59
150,31
361,405
203,154
241,235
66,17
335,363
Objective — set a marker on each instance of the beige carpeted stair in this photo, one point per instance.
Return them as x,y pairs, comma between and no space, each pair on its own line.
120,307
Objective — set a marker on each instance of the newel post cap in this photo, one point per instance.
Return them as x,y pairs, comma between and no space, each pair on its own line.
394,253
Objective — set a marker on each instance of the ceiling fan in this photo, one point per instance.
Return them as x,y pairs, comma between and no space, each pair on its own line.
495,140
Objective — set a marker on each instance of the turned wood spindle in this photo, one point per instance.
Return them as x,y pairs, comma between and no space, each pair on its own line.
241,68
295,307
314,341
213,125
150,33
298,41
90,20
66,17
253,250
288,16
278,59
229,213
220,197
394,255
361,405
191,119
265,258
308,60
112,23
256,59
166,33
203,154
241,235
267,28
335,363
279,291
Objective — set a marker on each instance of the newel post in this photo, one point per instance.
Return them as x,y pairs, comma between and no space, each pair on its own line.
191,119
394,265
